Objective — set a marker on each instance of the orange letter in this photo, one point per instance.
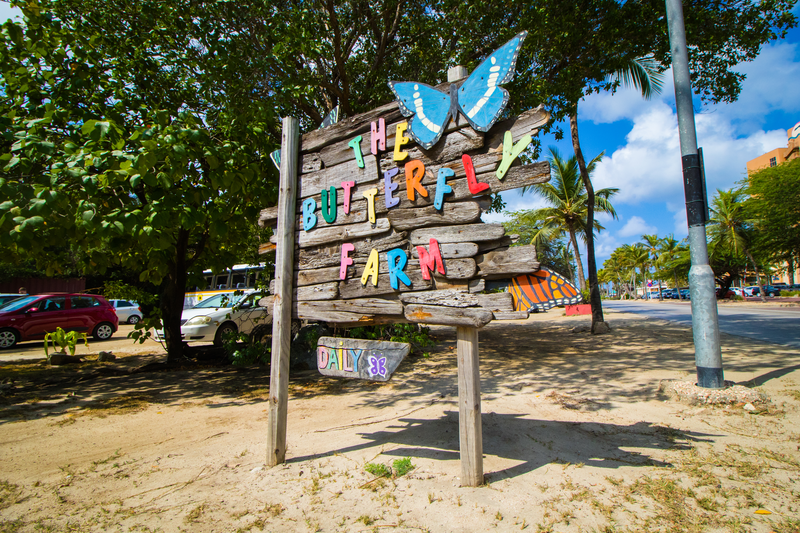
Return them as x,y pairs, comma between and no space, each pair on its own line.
415,170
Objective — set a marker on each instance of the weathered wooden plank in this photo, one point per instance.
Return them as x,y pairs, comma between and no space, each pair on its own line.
331,255
527,122
323,291
481,162
310,163
470,430
451,147
349,127
454,269
456,250
266,248
510,315
497,302
456,284
457,268
475,317
515,260
477,285
282,307
352,287
332,234
451,213
360,359
362,306
446,298
313,183
452,234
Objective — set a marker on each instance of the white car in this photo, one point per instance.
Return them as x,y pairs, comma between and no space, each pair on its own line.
737,291
214,318
128,312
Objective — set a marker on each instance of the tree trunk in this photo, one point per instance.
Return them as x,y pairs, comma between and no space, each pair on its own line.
172,296
578,263
790,270
758,277
598,323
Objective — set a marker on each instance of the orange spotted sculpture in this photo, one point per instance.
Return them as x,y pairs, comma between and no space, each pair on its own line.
542,290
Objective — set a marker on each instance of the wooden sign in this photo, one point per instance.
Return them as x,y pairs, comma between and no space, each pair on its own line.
360,359
378,216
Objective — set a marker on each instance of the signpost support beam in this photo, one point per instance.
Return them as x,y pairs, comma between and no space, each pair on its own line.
470,429
705,319
282,310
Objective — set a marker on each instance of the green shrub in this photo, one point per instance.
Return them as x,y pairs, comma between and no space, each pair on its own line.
243,351
378,469
402,466
417,336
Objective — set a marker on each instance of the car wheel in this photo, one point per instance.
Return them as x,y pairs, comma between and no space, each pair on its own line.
134,319
8,338
103,331
224,330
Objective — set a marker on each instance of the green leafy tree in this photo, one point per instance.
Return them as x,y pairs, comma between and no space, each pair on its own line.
672,255
652,242
774,205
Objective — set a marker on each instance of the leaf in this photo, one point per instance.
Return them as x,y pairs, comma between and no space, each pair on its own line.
763,511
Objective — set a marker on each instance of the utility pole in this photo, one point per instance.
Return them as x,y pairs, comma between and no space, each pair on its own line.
705,320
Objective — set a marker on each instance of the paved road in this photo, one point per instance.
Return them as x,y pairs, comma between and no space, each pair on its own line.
780,325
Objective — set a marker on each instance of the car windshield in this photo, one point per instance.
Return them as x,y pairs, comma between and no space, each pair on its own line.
13,305
219,300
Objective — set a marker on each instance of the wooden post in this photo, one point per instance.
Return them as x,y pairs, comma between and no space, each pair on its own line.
282,310
470,430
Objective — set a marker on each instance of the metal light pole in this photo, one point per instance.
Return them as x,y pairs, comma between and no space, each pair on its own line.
705,321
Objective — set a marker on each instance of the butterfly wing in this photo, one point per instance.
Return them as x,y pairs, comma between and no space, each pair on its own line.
431,110
480,97
542,290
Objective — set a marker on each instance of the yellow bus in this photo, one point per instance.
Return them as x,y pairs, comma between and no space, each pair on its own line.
239,277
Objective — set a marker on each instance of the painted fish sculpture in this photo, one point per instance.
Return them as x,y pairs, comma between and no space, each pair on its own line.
480,98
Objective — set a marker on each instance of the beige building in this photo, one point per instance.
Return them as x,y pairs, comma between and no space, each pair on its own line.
774,158
777,156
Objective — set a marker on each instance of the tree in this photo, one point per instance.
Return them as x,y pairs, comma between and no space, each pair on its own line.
774,205
652,242
731,231
551,251
568,204
671,257
90,160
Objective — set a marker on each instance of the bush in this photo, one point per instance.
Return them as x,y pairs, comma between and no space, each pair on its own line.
243,350
417,336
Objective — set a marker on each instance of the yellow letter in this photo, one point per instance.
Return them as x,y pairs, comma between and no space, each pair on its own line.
370,196
399,140
371,269
510,152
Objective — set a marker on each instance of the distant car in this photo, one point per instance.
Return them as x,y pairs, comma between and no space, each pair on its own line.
737,291
727,293
30,317
127,311
214,318
9,297
686,294
769,290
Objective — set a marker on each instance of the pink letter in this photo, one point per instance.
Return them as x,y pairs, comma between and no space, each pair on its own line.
472,182
346,260
430,261
378,137
347,185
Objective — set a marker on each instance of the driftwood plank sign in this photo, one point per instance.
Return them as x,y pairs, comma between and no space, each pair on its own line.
360,359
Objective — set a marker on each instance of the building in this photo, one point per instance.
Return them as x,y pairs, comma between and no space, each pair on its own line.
777,156
774,158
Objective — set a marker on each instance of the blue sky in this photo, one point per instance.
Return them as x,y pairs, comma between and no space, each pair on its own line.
640,140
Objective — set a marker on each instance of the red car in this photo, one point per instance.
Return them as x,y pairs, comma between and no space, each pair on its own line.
30,317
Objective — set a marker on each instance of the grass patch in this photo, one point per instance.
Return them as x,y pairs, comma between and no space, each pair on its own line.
194,514
378,470
9,494
402,466
366,520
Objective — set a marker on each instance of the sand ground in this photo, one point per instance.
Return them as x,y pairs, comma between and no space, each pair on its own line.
576,437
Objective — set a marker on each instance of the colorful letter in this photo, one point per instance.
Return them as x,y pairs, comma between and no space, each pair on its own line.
345,360
378,136
329,205
399,140
333,360
429,261
397,262
309,218
442,187
510,152
371,269
355,144
322,357
347,185
356,357
472,181
346,259
389,187
415,170
370,196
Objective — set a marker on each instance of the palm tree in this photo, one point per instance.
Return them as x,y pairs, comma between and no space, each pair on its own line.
651,242
643,74
669,254
731,230
568,204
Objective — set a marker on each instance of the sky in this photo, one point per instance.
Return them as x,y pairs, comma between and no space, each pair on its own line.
641,145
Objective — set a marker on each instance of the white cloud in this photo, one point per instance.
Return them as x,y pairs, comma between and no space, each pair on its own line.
636,226
681,224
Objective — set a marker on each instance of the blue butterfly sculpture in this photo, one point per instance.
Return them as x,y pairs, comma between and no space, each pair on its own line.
479,98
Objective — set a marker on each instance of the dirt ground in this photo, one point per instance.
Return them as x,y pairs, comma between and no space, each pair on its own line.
576,437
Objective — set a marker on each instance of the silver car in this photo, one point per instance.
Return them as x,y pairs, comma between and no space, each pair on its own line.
127,311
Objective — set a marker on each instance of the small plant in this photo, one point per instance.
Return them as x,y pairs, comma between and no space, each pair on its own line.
402,466
378,470
366,520
65,340
244,350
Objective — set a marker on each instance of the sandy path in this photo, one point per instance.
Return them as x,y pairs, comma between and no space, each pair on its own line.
576,438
